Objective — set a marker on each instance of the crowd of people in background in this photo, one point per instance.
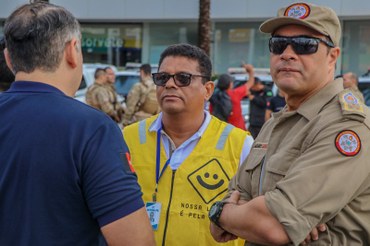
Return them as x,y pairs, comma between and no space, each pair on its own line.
163,170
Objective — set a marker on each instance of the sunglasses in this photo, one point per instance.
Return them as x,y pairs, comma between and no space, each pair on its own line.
302,45
181,79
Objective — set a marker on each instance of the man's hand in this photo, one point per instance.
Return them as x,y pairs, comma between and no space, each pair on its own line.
314,234
220,235
248,68
235,198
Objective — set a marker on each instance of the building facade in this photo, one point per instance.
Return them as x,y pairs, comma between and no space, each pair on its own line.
121,31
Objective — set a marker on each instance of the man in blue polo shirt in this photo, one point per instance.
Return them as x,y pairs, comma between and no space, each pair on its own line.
64,172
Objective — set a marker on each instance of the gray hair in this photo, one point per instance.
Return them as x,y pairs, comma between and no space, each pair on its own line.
36,35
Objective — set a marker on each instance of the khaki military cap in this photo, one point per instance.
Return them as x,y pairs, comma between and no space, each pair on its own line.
319,18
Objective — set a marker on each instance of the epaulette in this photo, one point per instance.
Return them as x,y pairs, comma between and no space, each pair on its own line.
350,104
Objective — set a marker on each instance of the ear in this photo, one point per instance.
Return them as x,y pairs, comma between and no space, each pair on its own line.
333,57
7,59
210,87
72,51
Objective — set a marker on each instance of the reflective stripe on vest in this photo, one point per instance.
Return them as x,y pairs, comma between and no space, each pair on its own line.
222,140
142,131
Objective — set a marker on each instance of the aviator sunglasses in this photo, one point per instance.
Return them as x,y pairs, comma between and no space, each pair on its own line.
181,79
302,45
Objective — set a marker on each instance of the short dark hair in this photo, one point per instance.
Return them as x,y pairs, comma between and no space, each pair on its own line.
224,82
107,68
36,35
99,72
146,68
191,52
257,80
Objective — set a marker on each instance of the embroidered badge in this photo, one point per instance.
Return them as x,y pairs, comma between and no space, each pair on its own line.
349,102
298,10
348,143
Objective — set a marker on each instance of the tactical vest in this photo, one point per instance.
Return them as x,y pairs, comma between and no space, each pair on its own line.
187,193
148,99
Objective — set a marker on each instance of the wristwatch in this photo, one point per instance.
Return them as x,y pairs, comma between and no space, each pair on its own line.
215,211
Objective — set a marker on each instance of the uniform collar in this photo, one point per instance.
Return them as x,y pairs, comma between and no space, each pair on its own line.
30,86
313,105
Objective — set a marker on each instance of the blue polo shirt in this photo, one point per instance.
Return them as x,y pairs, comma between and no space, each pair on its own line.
63,171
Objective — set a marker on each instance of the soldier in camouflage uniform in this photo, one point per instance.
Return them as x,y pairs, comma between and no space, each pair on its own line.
142,100
101,96
111,79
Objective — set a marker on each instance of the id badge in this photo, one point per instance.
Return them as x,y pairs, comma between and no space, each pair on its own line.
154,211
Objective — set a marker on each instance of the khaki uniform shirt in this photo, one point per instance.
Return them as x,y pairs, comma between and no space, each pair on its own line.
313,167
359,94
141,102
103,97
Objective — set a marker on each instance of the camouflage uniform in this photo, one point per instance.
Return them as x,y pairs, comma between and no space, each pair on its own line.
104,98
141,102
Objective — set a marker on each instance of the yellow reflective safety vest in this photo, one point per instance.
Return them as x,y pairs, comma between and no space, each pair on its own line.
187,193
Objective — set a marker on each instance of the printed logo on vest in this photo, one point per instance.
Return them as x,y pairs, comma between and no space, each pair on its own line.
209,181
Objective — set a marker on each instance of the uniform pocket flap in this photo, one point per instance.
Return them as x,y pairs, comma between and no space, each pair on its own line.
255,158
280,162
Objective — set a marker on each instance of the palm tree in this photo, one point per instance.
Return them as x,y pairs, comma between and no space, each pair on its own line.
204,25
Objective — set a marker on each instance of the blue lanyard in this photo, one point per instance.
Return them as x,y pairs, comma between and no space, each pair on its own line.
158,173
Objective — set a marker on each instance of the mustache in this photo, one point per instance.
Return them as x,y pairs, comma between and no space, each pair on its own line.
284,67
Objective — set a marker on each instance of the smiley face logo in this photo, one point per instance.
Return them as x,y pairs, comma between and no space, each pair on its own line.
209,181
210,186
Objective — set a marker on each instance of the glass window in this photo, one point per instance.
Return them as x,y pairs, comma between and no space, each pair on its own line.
161,35
114,44
237,42
356,47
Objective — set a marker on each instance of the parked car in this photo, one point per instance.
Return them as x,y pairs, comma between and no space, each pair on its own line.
125,80
88,72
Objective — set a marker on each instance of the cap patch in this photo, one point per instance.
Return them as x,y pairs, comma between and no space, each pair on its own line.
298,11
348,143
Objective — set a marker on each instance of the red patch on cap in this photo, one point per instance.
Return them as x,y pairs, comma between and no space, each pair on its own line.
348,143
298,11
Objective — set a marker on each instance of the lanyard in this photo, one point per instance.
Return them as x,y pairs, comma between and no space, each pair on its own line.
158,173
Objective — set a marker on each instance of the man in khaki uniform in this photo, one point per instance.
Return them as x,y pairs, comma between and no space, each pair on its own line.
142,100
100,96
309,165
350,80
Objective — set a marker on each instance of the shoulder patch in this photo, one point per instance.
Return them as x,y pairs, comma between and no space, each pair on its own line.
350,103
348,143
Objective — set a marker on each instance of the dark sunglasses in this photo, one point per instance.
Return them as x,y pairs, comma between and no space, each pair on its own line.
302,45
181,79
